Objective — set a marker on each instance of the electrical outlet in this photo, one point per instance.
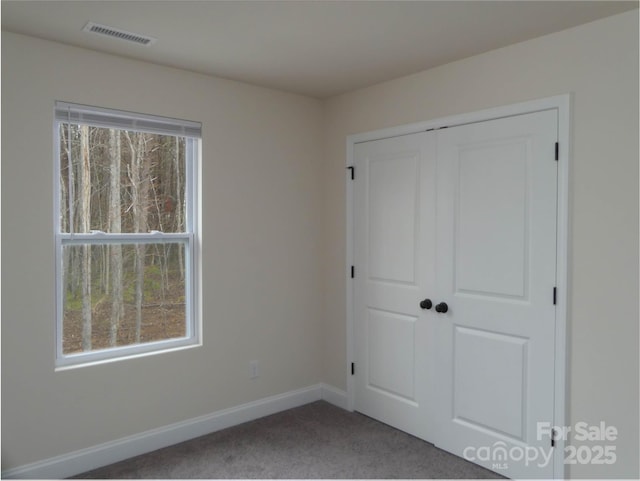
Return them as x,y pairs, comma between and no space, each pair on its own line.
253,370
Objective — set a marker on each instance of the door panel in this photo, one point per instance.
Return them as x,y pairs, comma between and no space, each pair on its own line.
394,202
391,353
483,360
496,271
393,195
491,227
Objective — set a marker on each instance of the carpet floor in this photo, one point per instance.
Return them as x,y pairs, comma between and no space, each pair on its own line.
317,440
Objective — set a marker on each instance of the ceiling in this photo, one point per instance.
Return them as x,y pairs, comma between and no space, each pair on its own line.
315,48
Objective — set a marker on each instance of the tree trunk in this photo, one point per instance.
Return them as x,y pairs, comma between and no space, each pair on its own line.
115,226
179,205
85,221
139,267
138,175
66,177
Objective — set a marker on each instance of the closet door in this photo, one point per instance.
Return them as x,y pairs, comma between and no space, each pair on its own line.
455,270
496,272
394,235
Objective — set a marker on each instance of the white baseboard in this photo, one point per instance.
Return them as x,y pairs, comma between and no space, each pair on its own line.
335,396
111,452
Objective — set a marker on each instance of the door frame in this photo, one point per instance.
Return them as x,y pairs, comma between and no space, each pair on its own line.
561,103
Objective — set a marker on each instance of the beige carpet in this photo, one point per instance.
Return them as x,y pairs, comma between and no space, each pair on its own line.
313,441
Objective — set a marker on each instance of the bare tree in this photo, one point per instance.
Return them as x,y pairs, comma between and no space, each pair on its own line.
66,179
179,205
85,221
115,226
138,171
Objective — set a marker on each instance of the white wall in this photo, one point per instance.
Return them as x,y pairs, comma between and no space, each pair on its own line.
598,63
261,196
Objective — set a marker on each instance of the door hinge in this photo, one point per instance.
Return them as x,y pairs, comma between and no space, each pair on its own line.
555,295
353,368
353,171
557,150
353,272
553,438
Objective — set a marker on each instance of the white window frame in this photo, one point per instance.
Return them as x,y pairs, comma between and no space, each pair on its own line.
66,113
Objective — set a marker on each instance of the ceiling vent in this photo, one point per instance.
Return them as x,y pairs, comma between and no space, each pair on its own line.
118,33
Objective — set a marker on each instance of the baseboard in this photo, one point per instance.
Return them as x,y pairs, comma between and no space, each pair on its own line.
111,452
335,396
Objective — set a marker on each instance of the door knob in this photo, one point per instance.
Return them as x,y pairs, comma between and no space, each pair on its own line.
442,307
426,304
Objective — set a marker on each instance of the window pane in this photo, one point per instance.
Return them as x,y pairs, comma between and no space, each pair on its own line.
122,294
121,181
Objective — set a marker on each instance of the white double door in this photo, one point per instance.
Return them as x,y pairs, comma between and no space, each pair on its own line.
463,217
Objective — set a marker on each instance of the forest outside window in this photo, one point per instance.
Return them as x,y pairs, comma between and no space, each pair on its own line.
126,233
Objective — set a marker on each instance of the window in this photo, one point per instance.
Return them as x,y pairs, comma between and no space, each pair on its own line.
126,233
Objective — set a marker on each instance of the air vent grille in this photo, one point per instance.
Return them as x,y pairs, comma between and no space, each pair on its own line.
118,33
